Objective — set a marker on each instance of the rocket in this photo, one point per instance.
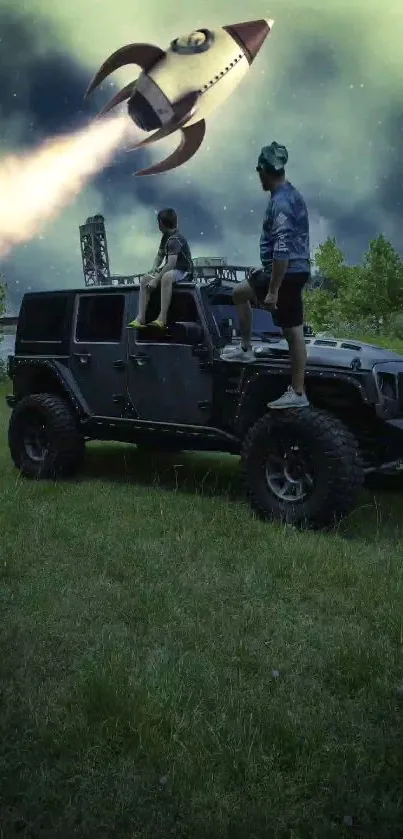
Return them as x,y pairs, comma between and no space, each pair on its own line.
181,86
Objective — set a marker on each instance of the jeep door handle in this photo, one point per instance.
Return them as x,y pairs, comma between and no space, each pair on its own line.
83,358
139,359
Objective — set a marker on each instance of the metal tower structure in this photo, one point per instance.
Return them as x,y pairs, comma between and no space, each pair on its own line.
94,251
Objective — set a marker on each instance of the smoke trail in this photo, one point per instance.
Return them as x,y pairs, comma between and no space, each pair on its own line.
35,186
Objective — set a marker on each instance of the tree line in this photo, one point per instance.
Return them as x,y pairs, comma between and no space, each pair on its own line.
357,299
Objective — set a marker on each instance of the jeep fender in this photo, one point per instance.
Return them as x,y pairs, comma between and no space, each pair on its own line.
37,374
256,386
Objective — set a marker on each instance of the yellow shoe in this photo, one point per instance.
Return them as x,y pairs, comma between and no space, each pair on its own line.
135,324
158,323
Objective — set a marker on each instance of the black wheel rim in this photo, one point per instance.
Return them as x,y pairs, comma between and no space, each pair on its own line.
35,439
289,470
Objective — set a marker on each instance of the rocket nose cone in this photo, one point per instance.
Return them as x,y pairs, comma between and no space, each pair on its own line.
250,35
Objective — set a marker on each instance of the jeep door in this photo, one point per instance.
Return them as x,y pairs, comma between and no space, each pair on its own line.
97,357
171,380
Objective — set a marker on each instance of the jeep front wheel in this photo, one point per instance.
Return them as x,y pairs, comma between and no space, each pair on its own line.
302,467
44,438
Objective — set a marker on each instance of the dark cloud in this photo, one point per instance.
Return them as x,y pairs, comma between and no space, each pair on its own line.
46,89
354,228
390,195
352,224
314,64
55,96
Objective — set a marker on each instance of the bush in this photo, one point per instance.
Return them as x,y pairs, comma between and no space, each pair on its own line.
396,325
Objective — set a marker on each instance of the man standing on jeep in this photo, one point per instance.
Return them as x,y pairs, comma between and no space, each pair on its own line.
177,267
277,286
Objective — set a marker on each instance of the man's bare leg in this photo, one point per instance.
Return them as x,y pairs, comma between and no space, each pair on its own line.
166,297
243,296
144,298
242,299
298,355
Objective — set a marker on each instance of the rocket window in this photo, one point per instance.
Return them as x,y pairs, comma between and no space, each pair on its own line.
198,41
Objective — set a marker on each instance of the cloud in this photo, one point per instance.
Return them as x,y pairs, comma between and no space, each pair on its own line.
390,162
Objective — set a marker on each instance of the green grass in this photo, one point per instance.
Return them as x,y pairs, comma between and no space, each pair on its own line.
172,667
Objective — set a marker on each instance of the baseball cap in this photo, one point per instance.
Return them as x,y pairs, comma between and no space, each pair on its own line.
274,157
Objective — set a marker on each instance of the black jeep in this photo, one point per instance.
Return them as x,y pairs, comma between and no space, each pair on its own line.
80,374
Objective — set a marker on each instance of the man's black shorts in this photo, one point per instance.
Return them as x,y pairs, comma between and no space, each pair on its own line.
289,311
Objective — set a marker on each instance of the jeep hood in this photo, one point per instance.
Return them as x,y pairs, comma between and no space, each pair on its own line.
331,352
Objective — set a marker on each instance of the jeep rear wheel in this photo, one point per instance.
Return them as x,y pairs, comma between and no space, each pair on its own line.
44,438
302,467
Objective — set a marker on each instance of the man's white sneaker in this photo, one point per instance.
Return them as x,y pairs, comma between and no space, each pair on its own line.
290,399
238,354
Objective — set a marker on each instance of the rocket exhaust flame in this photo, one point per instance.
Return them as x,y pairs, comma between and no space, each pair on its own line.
37,185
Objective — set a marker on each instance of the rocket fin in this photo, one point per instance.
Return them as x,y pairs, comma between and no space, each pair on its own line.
144,55
153,138
123,94
192,138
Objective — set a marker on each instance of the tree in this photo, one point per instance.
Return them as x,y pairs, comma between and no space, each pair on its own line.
320,308
370,293
329,263
323,305
384,273
375,290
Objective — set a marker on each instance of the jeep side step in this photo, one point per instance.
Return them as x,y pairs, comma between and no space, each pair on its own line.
94,425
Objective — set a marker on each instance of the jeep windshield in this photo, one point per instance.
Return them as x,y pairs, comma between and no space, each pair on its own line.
226,317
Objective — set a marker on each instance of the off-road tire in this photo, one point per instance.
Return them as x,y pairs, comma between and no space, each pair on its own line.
65,444
335,455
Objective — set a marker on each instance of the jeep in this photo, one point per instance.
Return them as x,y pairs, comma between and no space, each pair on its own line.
79,373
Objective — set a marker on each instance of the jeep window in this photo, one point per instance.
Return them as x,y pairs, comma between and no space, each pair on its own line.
100,319
43,318
183,309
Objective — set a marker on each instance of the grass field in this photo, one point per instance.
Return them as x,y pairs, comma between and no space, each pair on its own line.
171,667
